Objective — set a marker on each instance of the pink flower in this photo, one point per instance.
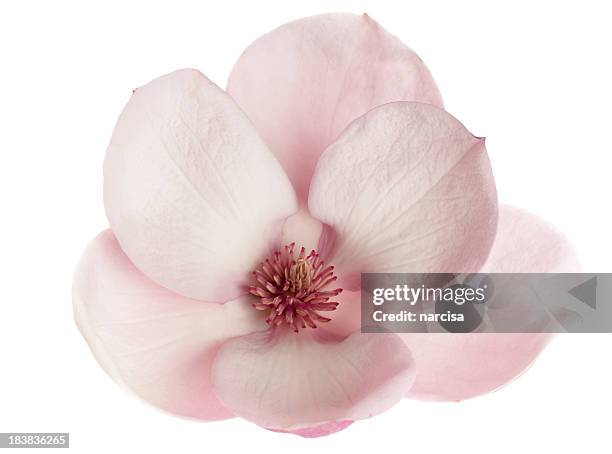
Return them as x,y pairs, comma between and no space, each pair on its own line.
204,297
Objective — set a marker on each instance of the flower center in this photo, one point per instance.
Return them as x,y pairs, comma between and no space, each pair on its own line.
293,289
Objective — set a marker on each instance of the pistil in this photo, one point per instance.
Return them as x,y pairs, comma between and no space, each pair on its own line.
295,289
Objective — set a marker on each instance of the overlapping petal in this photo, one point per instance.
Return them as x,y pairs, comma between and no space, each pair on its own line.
156,343
320,430
406,188
290,382
460,366
304,82
191,192
526,243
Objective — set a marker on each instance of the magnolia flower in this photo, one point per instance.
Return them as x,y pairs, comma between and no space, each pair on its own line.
228,282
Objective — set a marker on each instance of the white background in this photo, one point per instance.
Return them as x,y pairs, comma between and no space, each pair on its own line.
533,78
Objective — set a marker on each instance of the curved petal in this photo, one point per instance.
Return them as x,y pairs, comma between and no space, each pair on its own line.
154,342
191,192
296,381
321,430
304,82
460,366
302,229
346,319
525,243
406,188
454,366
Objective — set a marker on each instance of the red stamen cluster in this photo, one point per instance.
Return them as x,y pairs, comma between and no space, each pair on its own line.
293,288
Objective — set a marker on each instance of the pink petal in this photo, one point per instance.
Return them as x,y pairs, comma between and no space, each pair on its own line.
286,381
525,243
304,82
191,192
302,229
460,366
320,430
406,188
346,319
453,367
152,341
